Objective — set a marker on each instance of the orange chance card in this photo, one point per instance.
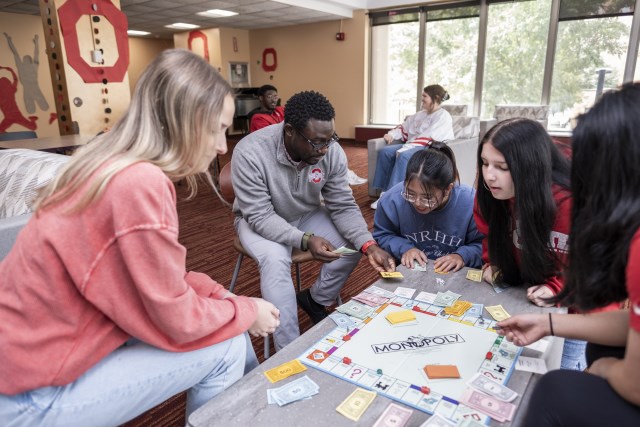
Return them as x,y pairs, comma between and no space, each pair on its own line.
441,371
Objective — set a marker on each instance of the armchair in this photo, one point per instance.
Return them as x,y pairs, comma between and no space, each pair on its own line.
503,112
465,145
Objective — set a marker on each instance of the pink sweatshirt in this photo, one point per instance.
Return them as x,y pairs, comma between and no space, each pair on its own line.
77,286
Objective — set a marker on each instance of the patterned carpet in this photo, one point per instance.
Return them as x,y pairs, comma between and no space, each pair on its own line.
206,230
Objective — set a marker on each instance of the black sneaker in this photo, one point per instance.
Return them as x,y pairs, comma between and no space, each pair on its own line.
314,310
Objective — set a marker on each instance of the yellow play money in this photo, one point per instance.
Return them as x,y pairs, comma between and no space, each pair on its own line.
354,406
391,275
498,312
475,275
285,370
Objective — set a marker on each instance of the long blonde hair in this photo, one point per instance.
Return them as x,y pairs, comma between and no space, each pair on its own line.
176,104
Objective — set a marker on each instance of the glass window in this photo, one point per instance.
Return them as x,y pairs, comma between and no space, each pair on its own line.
590,57
394,72
516,49
451,52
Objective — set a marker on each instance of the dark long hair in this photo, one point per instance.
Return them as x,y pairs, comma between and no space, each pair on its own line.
606,204
536,164
434,167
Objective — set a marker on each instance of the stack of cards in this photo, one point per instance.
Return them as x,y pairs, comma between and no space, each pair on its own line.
302,388
441,371
285,370
458,308
401,317
354,406
373,289
492,388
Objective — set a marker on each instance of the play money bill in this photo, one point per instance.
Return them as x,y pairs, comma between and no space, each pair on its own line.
393,416
475,275
497,312
354,406
285,370
344,250
342,320
355,309
492,388
500,411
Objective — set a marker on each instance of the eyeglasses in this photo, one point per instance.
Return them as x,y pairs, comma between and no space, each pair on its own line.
319,146
421,200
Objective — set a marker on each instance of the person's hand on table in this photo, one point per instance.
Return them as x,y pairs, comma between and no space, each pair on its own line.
450,262
524,329
267,319
487,274
539,295
380,259
412,255
321,249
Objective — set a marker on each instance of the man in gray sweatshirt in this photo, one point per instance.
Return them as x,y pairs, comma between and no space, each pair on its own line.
279,173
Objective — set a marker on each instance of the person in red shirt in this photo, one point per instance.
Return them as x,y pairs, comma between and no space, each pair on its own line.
523,207
99,319
603,268
270,112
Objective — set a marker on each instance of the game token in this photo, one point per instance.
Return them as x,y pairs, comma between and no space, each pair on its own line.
346,338
489,355
346,361
424,389
379,371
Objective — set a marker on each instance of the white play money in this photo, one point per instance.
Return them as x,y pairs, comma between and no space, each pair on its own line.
404,292
437,421
344,250
427,297
492,388
531,364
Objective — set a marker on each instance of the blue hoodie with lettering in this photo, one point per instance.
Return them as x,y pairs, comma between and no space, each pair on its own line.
398,227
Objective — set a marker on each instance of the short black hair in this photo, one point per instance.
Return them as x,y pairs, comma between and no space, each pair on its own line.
305,106
266,88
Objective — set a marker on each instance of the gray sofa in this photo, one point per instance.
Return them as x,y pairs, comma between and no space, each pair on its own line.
22,172
504,112
466,131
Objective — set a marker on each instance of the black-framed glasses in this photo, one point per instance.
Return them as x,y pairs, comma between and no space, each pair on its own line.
319,146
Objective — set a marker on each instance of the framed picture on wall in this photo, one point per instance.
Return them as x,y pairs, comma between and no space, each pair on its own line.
239,74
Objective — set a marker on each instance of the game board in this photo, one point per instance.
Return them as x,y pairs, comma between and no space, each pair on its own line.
390,359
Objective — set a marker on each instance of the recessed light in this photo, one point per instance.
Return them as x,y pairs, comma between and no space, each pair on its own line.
217,13
182,26
138,33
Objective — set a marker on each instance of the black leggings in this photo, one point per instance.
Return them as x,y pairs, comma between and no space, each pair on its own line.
571,398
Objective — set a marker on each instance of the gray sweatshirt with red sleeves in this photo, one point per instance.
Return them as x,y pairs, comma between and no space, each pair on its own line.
271,192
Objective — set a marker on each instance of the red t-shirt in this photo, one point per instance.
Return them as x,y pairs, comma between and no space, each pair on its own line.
633,281
77,286
261,119
558,238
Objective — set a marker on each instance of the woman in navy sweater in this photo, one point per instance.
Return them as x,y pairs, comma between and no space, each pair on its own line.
430,215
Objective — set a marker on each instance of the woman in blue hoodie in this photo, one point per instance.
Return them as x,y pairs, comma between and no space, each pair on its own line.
430,215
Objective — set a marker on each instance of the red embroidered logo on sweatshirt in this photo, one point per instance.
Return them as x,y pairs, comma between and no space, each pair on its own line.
316,175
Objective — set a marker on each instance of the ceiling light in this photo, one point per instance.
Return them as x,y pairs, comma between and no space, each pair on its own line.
217,13
182,26
138,33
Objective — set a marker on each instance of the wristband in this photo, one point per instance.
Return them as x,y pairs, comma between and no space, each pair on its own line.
551,325
304,244
366,246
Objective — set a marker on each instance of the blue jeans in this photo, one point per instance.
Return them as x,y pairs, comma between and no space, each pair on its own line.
573,355
391,168
128,382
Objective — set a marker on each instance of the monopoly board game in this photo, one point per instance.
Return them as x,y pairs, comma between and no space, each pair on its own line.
391,359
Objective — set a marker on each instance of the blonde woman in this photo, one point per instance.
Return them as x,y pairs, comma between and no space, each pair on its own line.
99,319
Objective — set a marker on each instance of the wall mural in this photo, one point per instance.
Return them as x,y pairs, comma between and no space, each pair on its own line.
9,107
28,74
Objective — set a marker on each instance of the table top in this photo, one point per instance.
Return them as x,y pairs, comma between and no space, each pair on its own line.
48,143
245,403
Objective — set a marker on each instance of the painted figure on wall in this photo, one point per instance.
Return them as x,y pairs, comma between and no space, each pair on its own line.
28,72
9,107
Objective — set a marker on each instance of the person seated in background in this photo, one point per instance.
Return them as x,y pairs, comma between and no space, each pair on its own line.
278,175
432,123
603,268
99,319
269,112
430,215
